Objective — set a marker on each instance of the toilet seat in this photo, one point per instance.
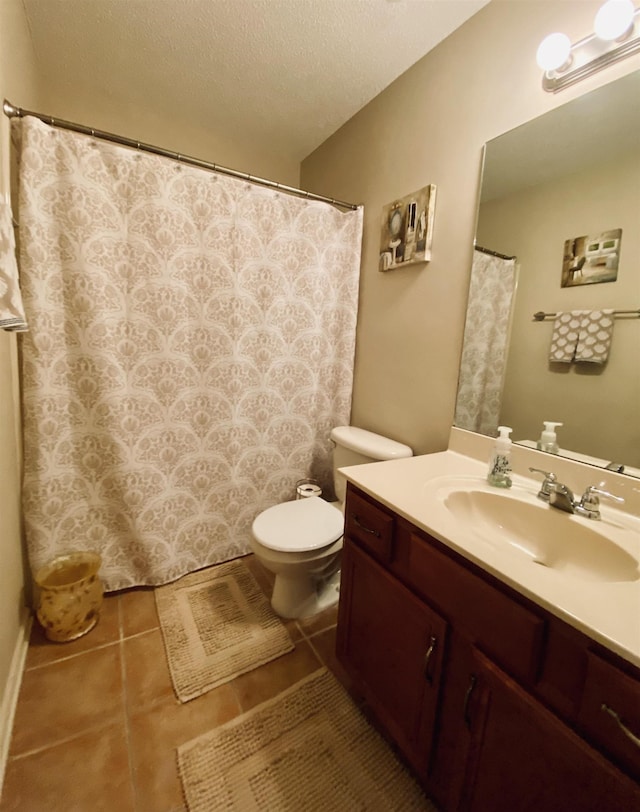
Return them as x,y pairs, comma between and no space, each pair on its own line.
299,526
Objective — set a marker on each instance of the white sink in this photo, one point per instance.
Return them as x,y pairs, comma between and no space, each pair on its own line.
521,524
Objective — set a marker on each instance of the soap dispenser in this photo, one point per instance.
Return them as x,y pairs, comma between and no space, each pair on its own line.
500,460
548,440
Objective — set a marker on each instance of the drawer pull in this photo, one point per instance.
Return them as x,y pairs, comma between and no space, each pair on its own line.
631,736
366,529
467,699
427,659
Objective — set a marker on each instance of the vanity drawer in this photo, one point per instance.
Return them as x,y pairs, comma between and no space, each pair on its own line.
371,526
610,711
505,629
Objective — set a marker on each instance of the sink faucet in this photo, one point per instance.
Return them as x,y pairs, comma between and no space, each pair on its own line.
589,504
561,497
549,480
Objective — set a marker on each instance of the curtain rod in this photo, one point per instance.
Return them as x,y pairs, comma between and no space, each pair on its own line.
492,253
11,111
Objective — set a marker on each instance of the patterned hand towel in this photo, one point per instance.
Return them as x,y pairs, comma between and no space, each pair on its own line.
594,340
11,309
564,338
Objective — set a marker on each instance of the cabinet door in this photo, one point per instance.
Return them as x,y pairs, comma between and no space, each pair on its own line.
391,645
521,757
610,712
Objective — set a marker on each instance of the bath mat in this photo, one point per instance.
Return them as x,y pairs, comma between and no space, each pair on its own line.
307,749
217,624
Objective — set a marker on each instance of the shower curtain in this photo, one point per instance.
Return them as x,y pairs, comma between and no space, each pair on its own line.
485,347
191,347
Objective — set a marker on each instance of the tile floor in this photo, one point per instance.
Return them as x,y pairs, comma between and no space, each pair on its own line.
97,721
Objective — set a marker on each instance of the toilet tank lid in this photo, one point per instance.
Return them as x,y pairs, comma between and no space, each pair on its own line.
369,444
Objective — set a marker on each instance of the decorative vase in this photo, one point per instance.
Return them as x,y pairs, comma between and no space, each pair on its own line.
70,595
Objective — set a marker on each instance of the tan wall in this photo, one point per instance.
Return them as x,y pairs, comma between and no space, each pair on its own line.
170,132
598,405
429,127
17,79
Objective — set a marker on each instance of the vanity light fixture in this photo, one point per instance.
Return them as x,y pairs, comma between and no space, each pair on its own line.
616,36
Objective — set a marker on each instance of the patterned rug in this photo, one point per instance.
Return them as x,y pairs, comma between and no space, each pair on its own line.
307,749
217,624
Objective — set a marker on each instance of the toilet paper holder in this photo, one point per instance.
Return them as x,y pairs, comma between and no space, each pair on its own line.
307,487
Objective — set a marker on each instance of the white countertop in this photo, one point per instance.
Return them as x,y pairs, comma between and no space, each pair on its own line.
607,611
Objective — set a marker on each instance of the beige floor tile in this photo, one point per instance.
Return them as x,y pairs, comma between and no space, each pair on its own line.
87,774
69,751
138,611
319,622
107,630
269,680
158,731
324,644
147,678
67,697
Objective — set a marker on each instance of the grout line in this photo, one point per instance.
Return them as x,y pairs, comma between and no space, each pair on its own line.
88,650
120,619
64,740
307,635
127,720
322,630
236,696
72,656
317,654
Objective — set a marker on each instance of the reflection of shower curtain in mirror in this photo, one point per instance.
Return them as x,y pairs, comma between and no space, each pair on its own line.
191,347
486,334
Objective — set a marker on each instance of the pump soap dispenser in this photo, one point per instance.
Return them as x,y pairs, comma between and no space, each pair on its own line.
548,440
500,461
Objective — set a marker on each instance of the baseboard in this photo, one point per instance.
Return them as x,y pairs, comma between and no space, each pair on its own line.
12,689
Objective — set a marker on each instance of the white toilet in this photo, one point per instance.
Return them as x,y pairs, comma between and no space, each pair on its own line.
300,541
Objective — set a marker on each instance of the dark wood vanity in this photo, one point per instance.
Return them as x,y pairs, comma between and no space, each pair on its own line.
494,703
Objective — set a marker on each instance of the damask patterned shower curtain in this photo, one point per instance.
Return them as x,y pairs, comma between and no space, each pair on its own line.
486,339
191,345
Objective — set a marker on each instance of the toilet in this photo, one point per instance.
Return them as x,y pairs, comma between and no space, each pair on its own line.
300,541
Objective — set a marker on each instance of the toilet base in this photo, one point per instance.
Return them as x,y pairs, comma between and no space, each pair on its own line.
304,597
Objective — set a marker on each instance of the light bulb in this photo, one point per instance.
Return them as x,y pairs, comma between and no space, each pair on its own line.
553,52
614,19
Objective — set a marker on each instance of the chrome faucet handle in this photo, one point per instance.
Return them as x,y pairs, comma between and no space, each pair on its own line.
590,502
549,480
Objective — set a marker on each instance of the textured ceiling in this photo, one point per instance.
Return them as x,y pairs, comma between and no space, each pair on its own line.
286,72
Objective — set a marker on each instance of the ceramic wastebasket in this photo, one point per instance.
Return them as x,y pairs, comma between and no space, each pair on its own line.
70,595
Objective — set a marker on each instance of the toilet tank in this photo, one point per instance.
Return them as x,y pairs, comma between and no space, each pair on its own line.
356,446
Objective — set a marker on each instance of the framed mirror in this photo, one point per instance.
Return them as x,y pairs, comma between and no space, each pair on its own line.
571,174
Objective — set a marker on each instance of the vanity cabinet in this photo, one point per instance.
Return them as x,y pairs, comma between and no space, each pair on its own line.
519,755
495,703
392,645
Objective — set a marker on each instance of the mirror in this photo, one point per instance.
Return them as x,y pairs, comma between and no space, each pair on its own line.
573,172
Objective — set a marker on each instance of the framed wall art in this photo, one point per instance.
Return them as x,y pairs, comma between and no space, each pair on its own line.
591,259
407,230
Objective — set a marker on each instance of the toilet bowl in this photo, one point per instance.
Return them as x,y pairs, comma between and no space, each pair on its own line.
300,541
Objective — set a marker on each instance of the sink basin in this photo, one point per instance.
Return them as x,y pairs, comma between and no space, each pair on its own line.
548,537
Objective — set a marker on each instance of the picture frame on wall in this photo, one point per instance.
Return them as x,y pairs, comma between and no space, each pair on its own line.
591,259
406,232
